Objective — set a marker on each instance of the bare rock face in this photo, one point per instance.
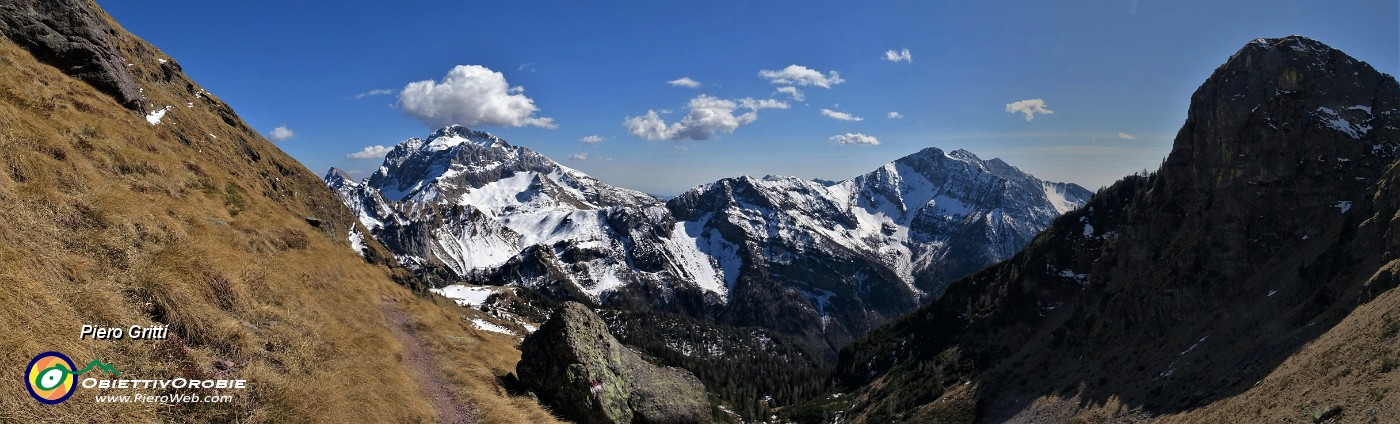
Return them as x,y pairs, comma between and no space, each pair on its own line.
1272,220
73,37
577,368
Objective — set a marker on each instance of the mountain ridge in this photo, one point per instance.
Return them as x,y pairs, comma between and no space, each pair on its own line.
1172,293
466,205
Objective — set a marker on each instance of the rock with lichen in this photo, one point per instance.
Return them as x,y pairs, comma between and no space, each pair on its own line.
581,371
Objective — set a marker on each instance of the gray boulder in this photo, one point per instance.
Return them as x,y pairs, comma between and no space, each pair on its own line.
581,371
74,37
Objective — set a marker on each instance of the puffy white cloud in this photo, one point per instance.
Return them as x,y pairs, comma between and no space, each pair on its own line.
280,133
854,138
792,91
591,140
899,56
1126,136
801,75
750,103
708,116
684,82
894,115
470,95
370,152
1029,107
579,156
841,116
372,93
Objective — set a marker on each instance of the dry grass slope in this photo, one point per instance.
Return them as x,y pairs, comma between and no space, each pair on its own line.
200,223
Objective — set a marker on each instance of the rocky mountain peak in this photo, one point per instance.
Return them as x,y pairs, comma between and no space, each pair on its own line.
454,135
1284,108
452,159
743,250
959,154
337,178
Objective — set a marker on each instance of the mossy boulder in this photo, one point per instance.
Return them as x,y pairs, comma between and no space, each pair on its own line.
581,371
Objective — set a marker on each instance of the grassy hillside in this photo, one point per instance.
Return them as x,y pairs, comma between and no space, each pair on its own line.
199,223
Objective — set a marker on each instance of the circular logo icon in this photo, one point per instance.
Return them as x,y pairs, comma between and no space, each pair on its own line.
49,378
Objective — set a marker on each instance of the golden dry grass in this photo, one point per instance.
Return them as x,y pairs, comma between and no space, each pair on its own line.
200,223
1353,368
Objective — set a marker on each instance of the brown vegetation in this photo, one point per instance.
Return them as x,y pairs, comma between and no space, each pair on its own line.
201,224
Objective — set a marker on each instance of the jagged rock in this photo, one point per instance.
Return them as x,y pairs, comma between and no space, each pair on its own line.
581,371
75,38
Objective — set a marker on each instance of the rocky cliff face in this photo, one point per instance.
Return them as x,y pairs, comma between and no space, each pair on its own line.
577,368
1271,222
70,35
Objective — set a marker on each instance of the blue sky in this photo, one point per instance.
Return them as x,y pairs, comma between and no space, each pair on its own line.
590,68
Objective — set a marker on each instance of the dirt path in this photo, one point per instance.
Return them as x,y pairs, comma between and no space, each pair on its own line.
438,392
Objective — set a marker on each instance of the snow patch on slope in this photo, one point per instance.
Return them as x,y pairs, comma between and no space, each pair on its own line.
485,325
155,116
1056,194
1341,124
709,262
467,295
357,241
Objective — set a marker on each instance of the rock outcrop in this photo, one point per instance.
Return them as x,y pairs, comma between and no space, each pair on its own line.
581,371
74,37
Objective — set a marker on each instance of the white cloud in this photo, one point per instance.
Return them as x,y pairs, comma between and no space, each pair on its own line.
372,93
854,138
579,156
708,116
591,140
841,116
1126,136
801,75
684,82
370,152
899,56
280,133
1030,107
792,91
470,95
750,103
894,115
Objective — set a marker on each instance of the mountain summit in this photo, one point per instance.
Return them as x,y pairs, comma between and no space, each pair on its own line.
1249,279
823,261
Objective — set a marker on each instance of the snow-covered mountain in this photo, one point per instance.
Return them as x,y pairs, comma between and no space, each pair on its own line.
464,202
820,260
